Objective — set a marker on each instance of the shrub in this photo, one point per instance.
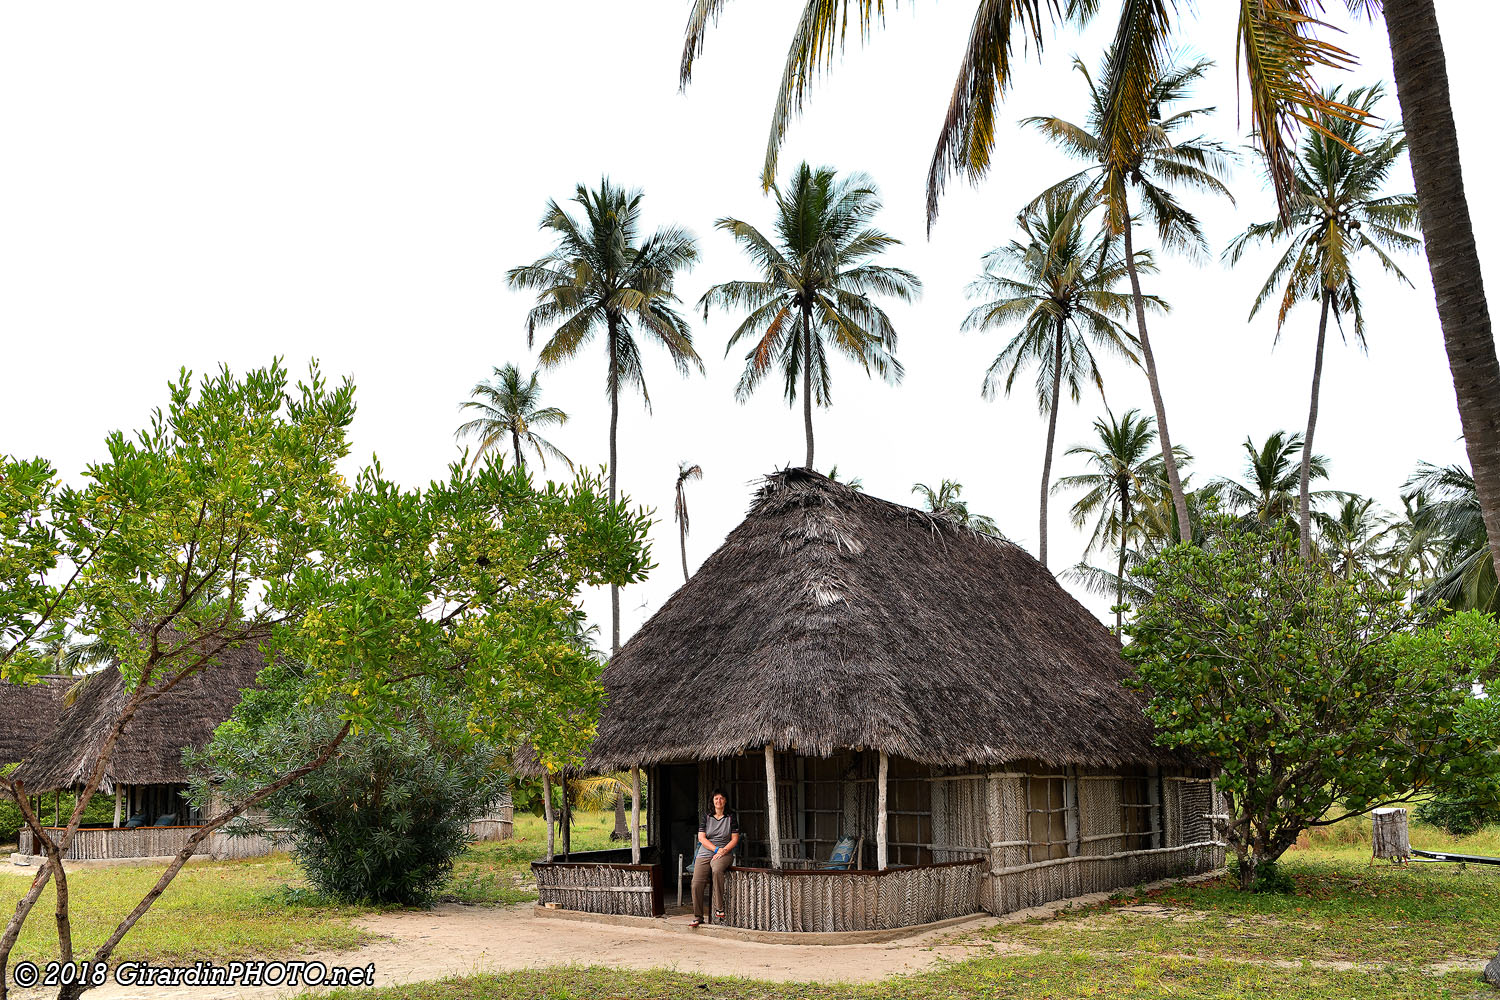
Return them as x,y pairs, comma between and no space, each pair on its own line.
1459,815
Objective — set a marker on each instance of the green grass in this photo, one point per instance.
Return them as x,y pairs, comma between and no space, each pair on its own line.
212,910
498,872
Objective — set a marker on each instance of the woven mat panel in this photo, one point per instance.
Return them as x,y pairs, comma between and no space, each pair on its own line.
960,818
1099,814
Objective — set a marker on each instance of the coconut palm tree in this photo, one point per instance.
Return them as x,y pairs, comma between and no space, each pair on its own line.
1163,161
1268,495
510,408
1278,50
854,483
603,275
1414,551
1421,72
1124,466
685,472
946,502
1449,513
1351,538
816,277
1339,211
1058,284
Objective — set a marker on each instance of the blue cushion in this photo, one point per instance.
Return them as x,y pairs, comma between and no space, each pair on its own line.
842,857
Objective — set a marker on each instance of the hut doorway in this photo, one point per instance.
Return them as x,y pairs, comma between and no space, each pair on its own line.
678,802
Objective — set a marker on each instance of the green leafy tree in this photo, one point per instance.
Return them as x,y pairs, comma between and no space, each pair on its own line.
1162,161
1339,211
685,473
947,502
1304,691
508,407
604,275
1124,466
817,274
1058,284
225,524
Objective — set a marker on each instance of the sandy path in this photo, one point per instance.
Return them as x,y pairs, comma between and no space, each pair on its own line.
461,940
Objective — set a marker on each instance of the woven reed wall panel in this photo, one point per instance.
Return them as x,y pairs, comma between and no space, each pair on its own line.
960,818
1035,885
602,888
839,901
1007,806
1099,815
1196,807
105,844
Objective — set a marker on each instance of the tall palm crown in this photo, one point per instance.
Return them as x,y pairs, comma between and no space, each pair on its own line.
818,272
1276,39
510,411
1125,473
1339,210
947,502
1058,284
1162,160
685,473
1351,538
1268,495
1449,514
604,276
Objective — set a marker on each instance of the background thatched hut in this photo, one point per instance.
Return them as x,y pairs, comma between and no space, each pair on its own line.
145,772
932,692
28,712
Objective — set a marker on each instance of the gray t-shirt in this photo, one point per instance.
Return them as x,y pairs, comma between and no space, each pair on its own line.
718,830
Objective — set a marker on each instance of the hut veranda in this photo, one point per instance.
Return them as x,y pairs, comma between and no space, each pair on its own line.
926,692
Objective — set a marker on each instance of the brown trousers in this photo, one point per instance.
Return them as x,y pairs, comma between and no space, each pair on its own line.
703,870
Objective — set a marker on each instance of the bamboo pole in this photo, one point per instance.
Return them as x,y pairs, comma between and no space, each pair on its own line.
772,819
547,810
118,791
882,838
635,815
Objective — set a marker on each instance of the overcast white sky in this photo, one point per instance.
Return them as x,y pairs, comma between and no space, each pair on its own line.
189,184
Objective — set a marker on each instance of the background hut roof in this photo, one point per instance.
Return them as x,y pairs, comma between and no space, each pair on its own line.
27,713
830,619
150,748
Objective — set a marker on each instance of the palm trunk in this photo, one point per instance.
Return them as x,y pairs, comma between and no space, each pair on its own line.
1168,458
1421,72
1120,566
682,540
515,443
614,427
1304,493
807,382
1051,437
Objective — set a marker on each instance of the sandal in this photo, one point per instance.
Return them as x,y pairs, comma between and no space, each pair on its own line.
719,917
697,922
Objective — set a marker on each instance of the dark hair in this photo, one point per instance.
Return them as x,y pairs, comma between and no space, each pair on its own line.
718,791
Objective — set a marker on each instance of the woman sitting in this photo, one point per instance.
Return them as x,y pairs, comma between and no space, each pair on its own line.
718,835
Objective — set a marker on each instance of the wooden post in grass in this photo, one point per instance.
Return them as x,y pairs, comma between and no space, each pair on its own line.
773,822
635,815
547,809
1390,840
882,837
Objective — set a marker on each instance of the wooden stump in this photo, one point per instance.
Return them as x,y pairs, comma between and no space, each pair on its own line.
1390,840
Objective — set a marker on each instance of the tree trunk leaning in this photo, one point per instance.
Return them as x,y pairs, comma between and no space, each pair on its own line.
1421,72
1390,839
1168,458
773,819
1051,437
1304,484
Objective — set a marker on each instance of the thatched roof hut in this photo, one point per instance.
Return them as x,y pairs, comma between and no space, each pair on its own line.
150,749
27,713
830,619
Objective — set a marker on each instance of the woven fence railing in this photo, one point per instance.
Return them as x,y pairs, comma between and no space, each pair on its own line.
107,843
767,899
627,890
1021,886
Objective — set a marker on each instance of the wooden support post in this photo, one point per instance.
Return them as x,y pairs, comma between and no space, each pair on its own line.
882,837
547,810
773,821
118,791
635,815
57,808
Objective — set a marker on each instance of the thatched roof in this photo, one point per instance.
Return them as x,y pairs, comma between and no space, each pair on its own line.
830,619
27,713
150,749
